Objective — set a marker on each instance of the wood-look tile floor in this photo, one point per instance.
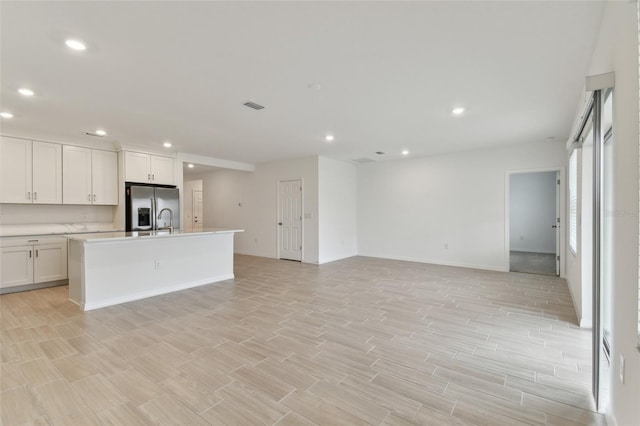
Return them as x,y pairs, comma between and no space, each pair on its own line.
358,341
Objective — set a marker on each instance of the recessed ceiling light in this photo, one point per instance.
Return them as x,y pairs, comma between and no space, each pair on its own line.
6,115
190,165
100,132
457,110
75,45
405,152
329,138
167,144
26,92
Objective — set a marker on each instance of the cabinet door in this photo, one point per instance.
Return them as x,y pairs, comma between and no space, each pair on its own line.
76,175
17,266
47,173
50,262
15,170
162,170
104,172
137,167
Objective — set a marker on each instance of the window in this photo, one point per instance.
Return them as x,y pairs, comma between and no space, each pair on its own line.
573,201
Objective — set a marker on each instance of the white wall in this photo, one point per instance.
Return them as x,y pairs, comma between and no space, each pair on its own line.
447,209
187,201
532,212
617,50
337,221
248,200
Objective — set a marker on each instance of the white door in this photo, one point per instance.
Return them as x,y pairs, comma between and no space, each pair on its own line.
15,170
162,170
47,173
557,224
76,175
197,210
50,262
290,219
137,167
17,266
104,177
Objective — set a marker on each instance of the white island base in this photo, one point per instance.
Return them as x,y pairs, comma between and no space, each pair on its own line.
112,268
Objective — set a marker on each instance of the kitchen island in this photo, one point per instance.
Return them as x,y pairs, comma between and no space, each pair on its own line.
115,267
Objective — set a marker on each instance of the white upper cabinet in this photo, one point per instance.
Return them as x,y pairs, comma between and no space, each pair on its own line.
47,173
147,168
15,170
162,170
31,172
104,177
137,167
90,176
76,176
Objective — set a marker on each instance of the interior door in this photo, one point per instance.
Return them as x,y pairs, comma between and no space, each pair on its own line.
197,210
290,219
557,224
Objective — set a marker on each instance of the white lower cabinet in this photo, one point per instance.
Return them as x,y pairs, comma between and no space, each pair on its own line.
33,260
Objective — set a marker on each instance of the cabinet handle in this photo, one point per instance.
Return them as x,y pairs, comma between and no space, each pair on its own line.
94,197
35,195
89,197
149,176
29,254
153,177
36,252
28,195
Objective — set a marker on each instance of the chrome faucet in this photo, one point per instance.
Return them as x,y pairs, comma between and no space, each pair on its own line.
170,227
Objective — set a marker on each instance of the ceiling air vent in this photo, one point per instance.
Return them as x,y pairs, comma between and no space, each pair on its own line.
379,152
363,160
253,105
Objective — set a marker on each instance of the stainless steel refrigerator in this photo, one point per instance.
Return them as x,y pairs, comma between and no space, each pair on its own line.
152,207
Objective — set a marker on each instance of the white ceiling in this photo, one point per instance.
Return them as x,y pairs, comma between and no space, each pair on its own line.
390,73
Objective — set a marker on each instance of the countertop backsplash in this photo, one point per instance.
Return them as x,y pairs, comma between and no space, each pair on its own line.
43,219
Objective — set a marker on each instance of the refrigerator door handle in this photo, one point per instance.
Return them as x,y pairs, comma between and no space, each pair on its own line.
153,214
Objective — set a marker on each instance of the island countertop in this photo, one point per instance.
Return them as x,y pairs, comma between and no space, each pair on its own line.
120,236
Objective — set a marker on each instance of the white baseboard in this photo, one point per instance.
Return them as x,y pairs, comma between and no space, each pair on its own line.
586,323
151,293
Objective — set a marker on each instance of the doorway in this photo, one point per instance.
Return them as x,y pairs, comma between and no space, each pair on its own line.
192,204
534,222
196,198
290,219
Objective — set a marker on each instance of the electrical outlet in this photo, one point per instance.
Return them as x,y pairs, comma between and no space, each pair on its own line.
446,246
622,369
255,240
157,264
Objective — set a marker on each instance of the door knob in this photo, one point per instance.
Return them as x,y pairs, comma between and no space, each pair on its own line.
280,223
554,226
